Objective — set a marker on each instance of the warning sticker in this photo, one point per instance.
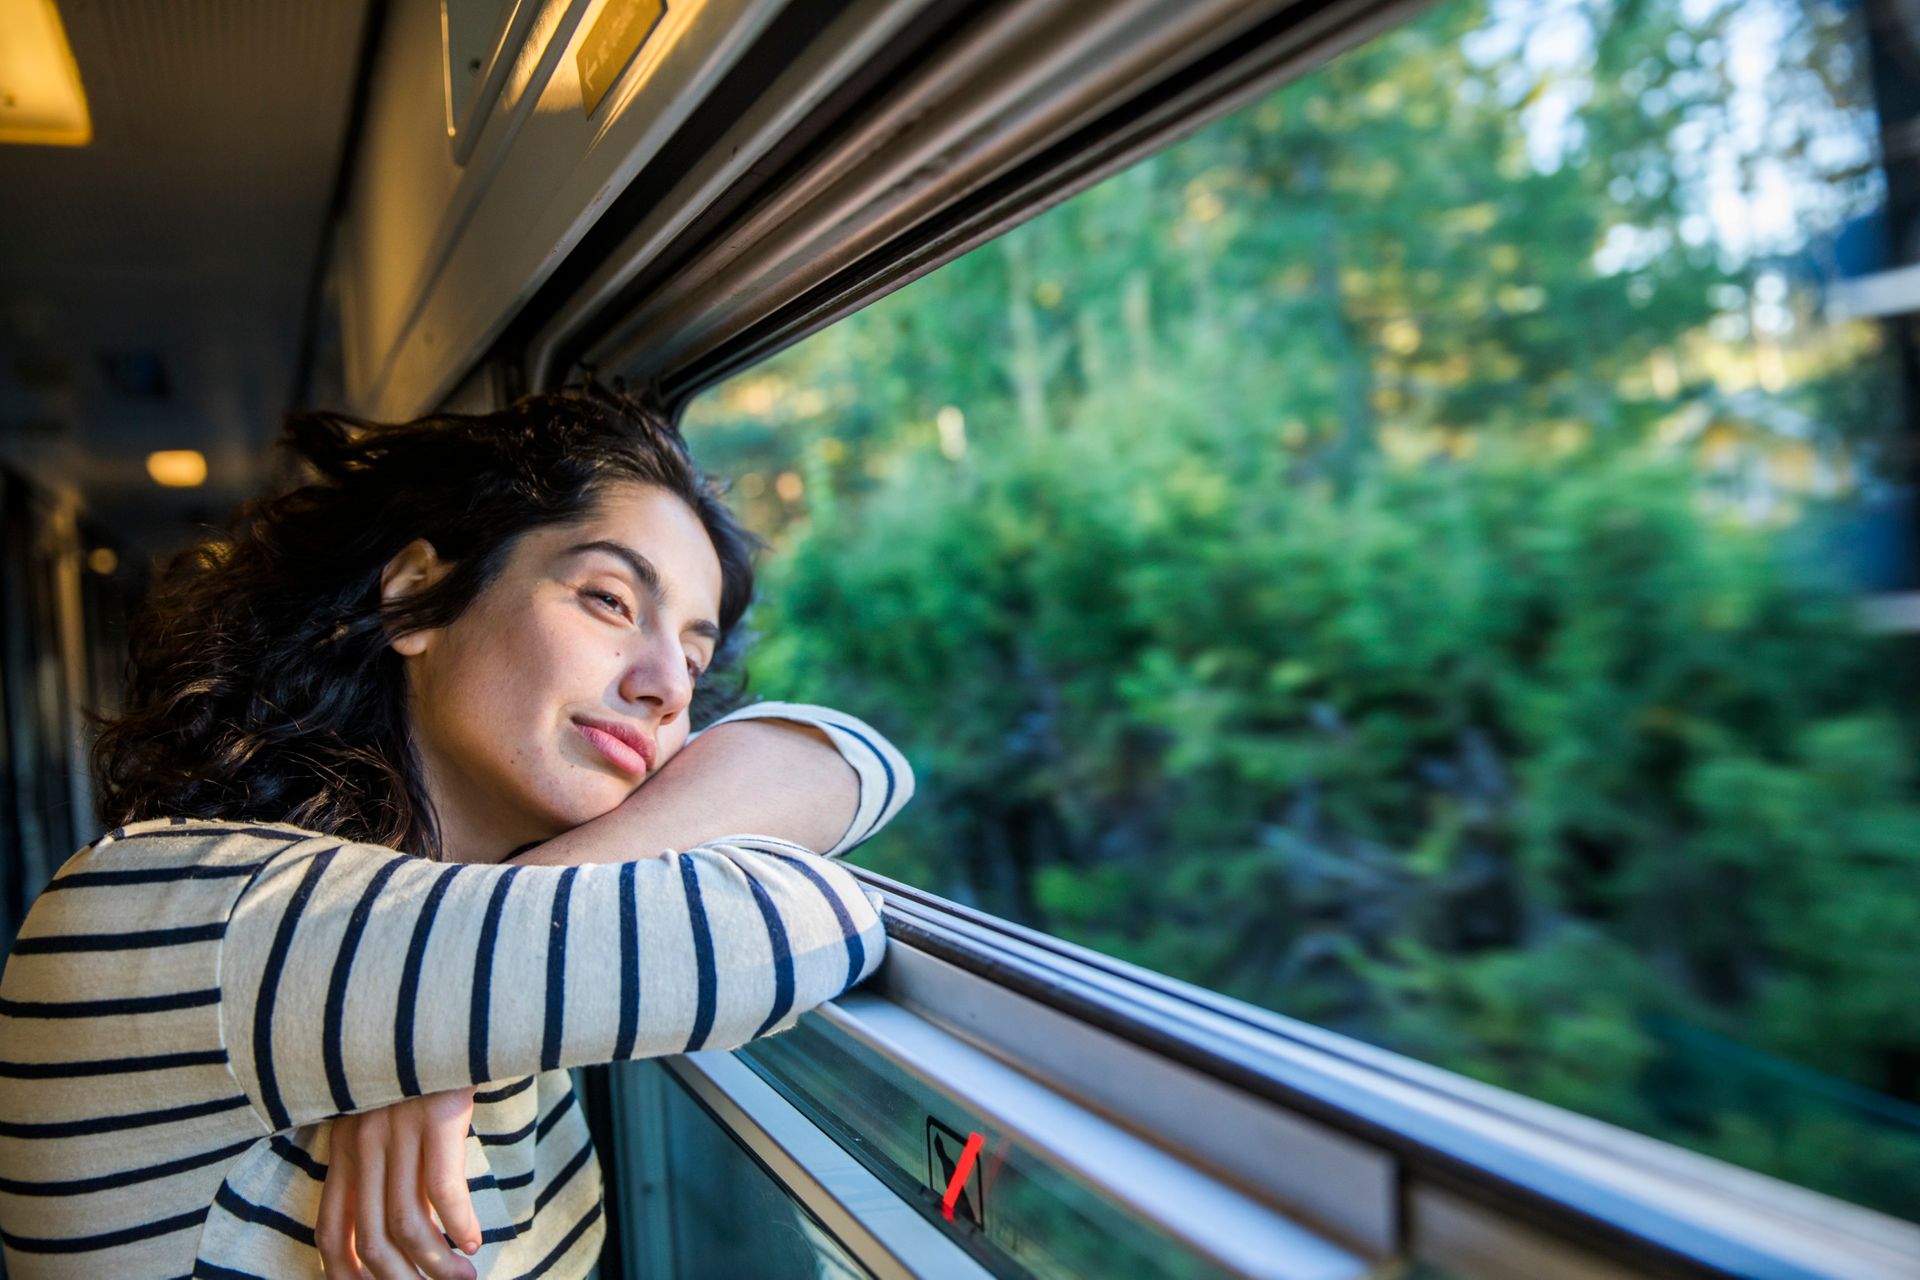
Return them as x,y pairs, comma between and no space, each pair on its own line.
953,1171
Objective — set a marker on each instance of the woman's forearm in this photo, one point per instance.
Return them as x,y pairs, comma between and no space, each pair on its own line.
763,777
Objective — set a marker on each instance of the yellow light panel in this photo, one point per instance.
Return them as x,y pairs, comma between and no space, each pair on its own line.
177,468
41,99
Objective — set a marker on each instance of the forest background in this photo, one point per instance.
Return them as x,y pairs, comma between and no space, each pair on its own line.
1394,557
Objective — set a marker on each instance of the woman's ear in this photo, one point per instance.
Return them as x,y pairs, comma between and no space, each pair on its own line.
416,567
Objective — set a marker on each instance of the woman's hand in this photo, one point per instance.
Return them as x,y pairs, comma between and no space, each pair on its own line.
386,1168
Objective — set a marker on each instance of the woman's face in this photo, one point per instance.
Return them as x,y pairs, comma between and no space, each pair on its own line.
591,633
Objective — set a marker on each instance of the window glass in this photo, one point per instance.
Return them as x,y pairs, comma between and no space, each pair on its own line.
696,1204
1421,555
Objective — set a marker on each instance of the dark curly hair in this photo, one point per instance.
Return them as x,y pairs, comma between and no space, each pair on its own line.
260,681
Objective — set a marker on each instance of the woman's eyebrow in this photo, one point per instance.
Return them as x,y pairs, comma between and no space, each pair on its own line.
648,576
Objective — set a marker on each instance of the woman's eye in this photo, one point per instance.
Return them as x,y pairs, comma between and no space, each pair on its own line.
611,600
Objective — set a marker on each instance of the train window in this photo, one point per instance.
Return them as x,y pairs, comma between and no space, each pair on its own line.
717,1172
702,1206
1425,555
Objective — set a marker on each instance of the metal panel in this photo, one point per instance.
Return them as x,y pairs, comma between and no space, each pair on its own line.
480,39
435,259
1466,1239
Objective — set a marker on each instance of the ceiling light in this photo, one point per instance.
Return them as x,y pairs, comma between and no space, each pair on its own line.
41,99
177,468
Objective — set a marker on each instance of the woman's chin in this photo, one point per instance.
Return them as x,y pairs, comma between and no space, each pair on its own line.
585,803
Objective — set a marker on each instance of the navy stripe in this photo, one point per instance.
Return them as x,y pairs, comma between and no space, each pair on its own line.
110,1066
513,1231
121,941
782,955
277,1116
113,1124
299,1157
538,1128
629,965
856,949
553,1117
483,976
559,1251
506,1139
560,1179
408,998
884,764
505,1091
292,835
517,1181
333,1033
111,1181
109,1008
106,1239
702,956
261,1216
153,875
203,1270
759,843
557,974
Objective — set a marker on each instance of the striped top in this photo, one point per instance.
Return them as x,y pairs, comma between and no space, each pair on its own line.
189,1002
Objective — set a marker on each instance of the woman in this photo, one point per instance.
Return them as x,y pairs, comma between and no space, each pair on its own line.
468,643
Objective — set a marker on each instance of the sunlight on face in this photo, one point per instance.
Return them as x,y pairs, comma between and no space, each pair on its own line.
519,707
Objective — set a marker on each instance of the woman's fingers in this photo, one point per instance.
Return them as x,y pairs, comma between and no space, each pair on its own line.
333,1229
409,1222
449,1115
378,1254
391,1171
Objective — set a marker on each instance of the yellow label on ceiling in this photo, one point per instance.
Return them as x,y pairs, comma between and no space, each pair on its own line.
616,35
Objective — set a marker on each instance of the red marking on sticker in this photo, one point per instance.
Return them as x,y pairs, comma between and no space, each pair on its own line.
968,1155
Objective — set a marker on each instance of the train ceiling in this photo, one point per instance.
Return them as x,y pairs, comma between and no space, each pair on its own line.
154,283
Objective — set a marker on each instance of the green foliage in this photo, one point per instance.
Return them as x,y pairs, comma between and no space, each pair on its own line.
1483,760
1278,564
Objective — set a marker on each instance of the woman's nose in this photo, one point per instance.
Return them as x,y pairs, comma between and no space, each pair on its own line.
659,675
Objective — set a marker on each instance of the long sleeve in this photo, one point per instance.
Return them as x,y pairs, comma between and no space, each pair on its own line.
886,780
353,976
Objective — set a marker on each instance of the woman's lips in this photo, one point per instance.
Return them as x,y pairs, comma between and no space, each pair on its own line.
622,755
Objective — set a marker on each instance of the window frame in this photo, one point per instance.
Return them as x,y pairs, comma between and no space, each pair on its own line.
1314,1145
